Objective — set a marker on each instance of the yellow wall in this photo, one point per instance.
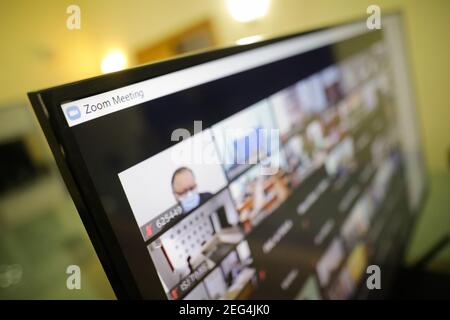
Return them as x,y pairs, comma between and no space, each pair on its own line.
38,51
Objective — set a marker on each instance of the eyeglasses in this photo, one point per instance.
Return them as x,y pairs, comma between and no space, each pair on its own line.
186,190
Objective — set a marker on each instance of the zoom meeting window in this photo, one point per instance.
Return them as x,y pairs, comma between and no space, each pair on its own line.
275,182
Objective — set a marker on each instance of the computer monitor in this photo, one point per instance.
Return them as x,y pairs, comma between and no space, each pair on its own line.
275,170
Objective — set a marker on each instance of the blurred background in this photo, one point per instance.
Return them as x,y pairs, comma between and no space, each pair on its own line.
40,230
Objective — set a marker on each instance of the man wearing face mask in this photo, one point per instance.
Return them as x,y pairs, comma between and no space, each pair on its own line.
184,187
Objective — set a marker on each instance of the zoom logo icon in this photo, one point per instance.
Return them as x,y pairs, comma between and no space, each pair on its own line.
73,113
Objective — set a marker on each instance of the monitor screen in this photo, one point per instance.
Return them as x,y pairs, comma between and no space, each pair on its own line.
280,170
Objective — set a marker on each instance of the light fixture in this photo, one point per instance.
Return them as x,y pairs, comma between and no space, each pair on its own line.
247,10
115,60
250,39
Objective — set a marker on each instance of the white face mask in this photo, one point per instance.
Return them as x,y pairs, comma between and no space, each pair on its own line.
190,200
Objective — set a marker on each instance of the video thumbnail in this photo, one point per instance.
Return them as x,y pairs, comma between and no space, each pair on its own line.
246,138
172,183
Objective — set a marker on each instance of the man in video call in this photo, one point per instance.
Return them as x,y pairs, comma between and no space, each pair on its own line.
184,187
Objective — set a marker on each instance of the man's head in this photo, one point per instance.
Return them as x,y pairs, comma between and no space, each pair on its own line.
184,188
